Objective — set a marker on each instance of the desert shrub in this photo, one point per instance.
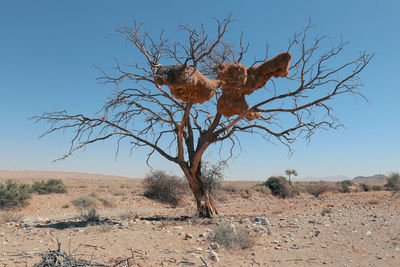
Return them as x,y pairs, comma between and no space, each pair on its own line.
90,216
344,186
317,188
279,186
107,201
230,188
213,176
13,194
393,182
159,185
9,216
85,202
261,188
229,235
377,188
365,187
49,186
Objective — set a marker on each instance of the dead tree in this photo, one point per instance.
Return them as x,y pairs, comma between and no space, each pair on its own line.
188,96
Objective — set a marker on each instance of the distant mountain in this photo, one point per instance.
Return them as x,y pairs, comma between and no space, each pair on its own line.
30,174
373,178
327,178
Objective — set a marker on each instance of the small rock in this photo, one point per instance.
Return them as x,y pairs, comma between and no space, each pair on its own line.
204,234
188,236
323,246
178,227
368,233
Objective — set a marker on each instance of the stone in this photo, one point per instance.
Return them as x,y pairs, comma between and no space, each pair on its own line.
188,236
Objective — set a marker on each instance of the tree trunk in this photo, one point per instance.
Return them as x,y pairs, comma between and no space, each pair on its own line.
205,205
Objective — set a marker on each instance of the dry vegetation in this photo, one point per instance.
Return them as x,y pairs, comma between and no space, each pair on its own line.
111,220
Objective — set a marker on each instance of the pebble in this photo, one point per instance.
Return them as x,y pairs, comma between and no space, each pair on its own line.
188,236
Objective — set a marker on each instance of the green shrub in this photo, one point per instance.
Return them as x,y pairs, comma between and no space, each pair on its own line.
344,186
229,235
14,195
393,182
213,176
49,186
159,185
365,187
279,186
377,188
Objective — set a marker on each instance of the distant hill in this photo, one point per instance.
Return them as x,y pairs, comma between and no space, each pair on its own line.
335,178
30,174
373,178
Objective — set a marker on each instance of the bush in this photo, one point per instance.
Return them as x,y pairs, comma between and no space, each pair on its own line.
377,188
279,186
163,187
107,201
213,176
228,235
365,187
14,195
49,186
85,202
393,182
344,186
90,216
7,217
317,188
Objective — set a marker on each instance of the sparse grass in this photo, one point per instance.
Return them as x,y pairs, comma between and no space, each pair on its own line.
325,211
9,216
262,189
120,192
230,188
373,202
128,215
85,202
164,187
49,186
13,195
107,201
229,236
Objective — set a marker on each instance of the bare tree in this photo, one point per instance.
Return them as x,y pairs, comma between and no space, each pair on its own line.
188,96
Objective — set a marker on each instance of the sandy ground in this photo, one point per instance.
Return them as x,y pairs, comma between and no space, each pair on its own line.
357,229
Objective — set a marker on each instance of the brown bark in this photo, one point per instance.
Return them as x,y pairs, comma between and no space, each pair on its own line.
205,205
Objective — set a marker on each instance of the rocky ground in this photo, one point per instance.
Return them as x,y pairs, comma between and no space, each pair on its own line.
354,229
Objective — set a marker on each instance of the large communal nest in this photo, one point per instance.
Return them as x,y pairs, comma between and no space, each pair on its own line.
187,83
237,81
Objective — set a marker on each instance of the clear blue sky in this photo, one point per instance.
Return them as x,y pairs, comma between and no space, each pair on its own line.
47,47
